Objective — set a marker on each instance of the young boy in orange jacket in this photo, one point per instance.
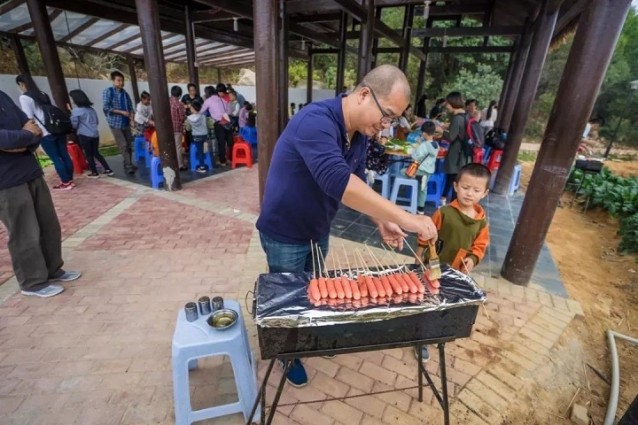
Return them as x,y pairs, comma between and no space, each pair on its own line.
462,224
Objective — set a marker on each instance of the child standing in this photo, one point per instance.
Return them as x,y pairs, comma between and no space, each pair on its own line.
376,159
144,114
199,125
84,120
425,154
462,224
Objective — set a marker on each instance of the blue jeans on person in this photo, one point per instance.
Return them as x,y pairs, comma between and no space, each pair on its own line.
291,258
199,143
54,146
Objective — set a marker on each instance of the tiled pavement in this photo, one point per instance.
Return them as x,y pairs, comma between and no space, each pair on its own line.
100,352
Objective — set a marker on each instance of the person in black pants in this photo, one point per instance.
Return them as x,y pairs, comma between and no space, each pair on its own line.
84,120
26,207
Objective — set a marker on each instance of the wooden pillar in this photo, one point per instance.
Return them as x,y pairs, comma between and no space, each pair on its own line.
149,22
49,52
506,81
375,43
311,68
543,32
408,19
191,54
265,35
598,30
341,58
131,70
219,75
18,51
506,110
365,41
424,65
283,64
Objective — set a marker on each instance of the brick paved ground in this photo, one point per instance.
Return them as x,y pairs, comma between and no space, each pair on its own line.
100,352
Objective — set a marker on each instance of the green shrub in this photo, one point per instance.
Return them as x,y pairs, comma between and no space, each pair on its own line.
616,195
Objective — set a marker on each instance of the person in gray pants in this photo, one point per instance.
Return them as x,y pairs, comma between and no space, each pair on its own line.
26,207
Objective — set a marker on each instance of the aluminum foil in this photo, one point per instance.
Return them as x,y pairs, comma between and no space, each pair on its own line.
282,301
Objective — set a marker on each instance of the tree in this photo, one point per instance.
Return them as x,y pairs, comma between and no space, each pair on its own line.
483,84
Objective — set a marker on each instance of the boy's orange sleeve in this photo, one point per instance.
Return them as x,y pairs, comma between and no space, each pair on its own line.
477,252
437,218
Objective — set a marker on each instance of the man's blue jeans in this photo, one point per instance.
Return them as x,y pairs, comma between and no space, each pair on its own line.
291,258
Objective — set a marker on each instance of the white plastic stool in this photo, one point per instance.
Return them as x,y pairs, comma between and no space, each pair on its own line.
413,199
515,181
385,183
193,340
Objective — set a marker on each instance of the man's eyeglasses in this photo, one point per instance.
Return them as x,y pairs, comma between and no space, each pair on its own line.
386,119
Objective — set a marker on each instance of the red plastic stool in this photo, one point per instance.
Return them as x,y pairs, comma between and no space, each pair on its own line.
242,155
77,157
478,156
495,159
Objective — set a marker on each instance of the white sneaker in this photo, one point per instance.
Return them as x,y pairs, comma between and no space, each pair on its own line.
66,277
49,291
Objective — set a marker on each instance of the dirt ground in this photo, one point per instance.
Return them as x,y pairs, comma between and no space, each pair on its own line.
606,285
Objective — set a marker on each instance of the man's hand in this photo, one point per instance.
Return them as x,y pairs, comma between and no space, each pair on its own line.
32,127
422,225
391,234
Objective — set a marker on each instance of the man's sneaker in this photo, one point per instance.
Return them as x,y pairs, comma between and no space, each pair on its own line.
49,291
66,277
93,175
109,173
202,170
424,353
297,376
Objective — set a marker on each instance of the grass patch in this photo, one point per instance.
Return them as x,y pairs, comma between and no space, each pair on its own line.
527,156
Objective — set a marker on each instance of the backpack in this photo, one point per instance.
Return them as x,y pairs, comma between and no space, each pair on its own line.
56,121
475,132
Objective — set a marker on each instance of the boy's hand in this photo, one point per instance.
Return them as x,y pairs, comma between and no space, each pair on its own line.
469,264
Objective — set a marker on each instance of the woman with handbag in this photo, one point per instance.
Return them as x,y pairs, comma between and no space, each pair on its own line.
424,163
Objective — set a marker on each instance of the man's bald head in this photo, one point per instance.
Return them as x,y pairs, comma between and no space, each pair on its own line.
385,79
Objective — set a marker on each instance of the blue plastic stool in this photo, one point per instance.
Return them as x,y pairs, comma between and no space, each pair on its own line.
385,184
208,158
413,184
193,340
436,183
515,181
139,147
439,165
486,154
157,177
148,154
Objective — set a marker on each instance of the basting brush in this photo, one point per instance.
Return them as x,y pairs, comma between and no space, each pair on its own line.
435,264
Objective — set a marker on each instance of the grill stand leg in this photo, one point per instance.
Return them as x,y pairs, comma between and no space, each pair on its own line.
282,382
445,404
261,395
419,350
442,397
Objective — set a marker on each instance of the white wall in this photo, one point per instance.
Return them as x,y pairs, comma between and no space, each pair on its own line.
94,89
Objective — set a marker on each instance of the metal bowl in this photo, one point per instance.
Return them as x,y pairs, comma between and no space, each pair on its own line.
223,319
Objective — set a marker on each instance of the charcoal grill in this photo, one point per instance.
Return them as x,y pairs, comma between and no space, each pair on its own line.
290,327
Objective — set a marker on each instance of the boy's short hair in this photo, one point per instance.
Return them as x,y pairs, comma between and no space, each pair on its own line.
475,170
428,127
115,74
145,95
176,91
196,105
470,101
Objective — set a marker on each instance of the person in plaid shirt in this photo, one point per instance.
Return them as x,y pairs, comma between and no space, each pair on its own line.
120,113
177,118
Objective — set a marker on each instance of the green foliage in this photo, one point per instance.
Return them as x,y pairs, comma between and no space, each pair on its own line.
483,84
617,195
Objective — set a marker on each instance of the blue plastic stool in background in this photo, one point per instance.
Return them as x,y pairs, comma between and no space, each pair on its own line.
515,181
385,184
157,176
148,154
139,148
413,185
208,158
193,340
436,184
486,154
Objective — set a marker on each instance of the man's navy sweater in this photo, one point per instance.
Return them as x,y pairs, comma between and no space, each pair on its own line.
16,168
309,172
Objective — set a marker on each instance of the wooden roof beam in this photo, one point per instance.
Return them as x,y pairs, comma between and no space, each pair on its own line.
470,49
468,31
78,30
9,6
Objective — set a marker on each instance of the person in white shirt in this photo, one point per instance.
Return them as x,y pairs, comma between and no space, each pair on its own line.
144,114
489,116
